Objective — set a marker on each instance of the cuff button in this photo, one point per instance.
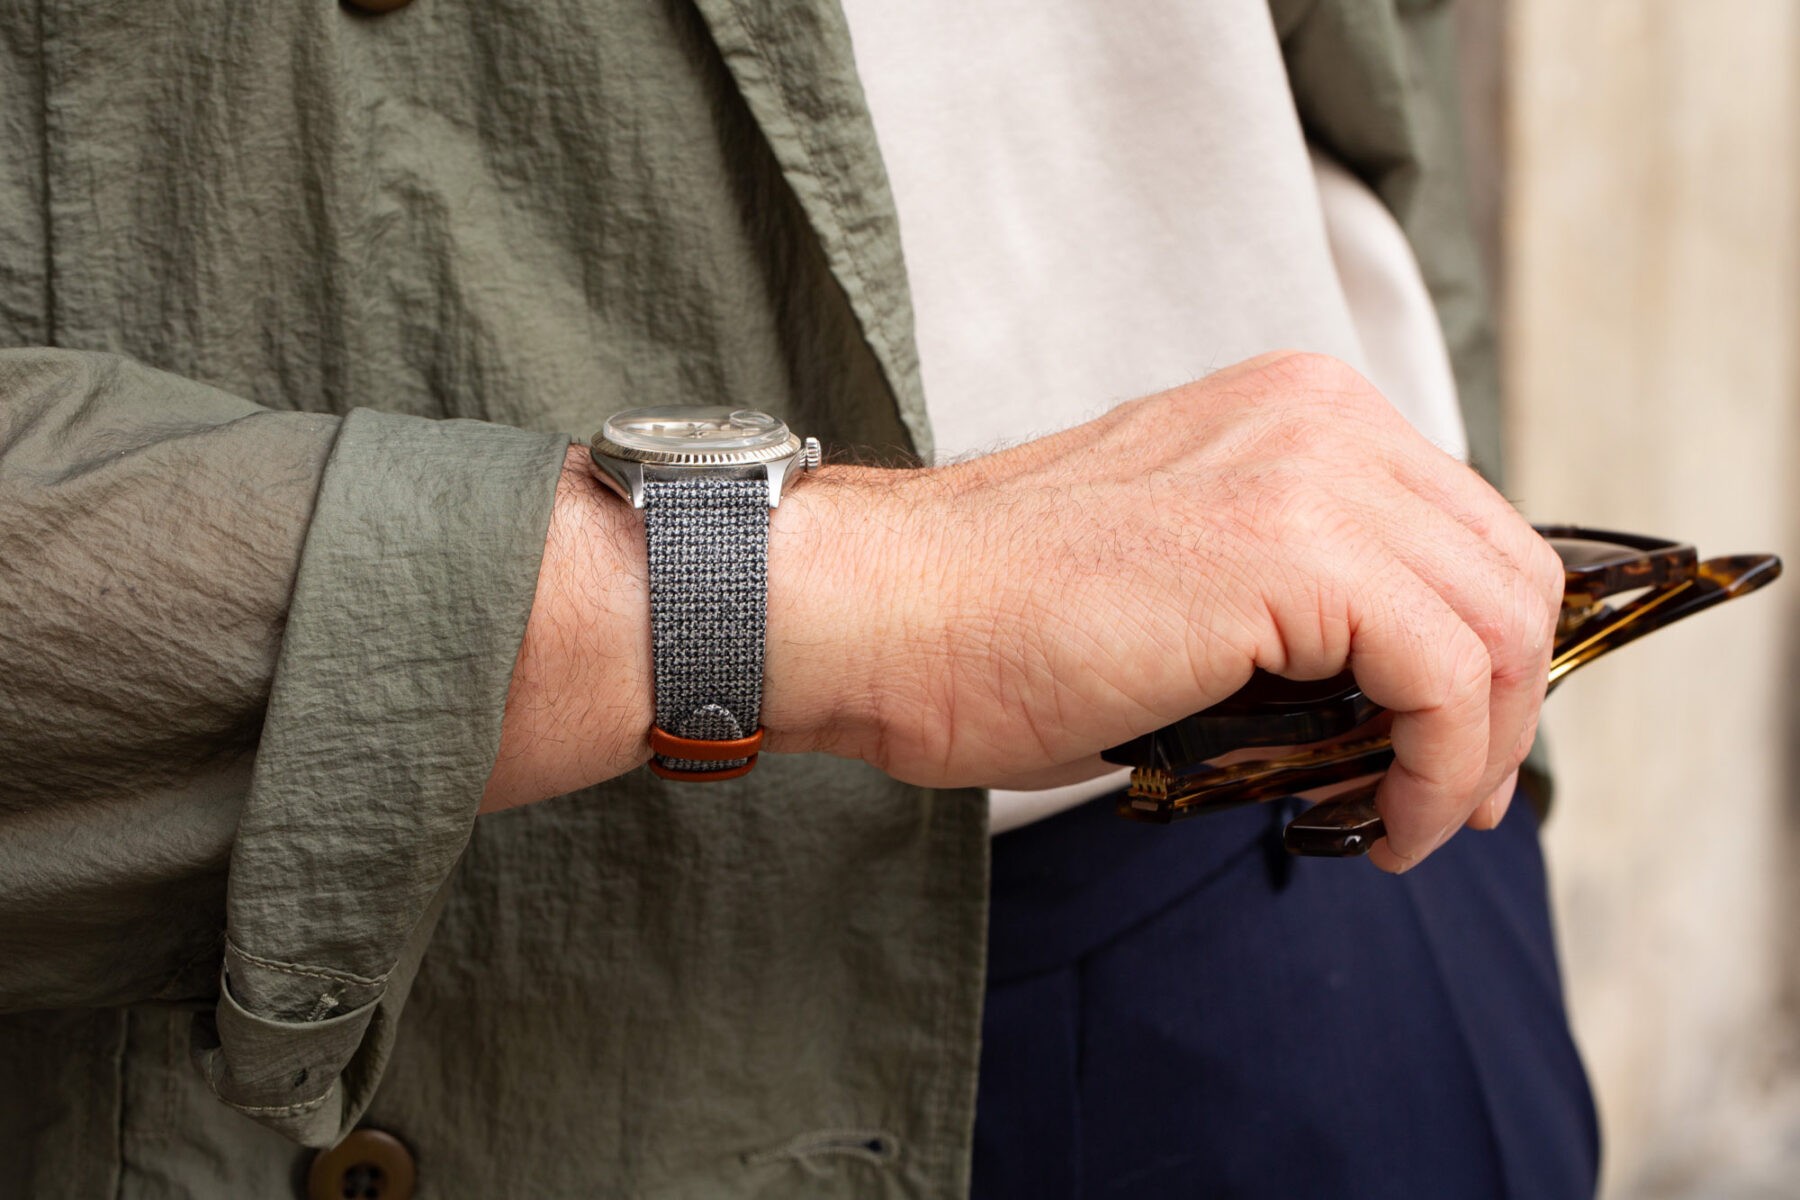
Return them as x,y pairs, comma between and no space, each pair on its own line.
367,1165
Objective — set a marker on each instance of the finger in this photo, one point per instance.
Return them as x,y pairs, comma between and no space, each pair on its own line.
1504,606
1412,654
1081,771
1458,490
1490,812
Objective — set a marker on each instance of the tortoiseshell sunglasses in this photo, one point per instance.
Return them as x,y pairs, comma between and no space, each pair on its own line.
1175,776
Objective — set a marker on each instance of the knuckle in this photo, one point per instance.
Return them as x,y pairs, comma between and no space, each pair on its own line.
1471,666
1467,774
1548,573
1541,637
1461,684
1301,543
1311,523
1515,623
1283,431
1458,774
1336,391
1523,743
1275,505
1519,652
1314,372
1314,389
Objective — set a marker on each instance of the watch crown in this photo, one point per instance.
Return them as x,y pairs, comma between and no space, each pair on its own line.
811,455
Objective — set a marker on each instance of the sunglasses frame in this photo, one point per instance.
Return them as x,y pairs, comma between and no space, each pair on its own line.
1173,777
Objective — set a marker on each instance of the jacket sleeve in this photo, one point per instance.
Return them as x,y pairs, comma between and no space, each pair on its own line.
1375,84
252,671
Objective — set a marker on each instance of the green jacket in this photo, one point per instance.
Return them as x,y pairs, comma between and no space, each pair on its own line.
301,307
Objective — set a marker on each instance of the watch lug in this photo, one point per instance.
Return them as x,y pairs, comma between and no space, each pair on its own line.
625,478
777,476
778,473
804,459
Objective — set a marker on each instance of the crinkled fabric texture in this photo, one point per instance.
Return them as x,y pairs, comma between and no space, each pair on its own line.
256,667
303,305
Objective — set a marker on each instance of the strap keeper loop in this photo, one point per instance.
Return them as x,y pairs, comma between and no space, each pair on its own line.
657,768
668,745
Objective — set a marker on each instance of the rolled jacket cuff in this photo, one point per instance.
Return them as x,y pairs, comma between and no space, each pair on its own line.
413,591
273,1072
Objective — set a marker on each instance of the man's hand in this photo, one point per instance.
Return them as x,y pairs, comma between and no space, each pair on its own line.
1008,618
1012,616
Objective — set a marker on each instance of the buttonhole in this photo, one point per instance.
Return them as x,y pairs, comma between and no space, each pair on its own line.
814,1151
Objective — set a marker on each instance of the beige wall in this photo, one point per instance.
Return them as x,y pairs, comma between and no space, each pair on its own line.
1652,305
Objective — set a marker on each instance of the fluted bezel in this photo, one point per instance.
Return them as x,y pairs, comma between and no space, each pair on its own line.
788,446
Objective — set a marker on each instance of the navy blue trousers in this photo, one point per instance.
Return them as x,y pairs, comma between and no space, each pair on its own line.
1185,1011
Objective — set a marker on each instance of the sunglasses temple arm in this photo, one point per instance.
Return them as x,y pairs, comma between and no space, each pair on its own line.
1341,826
1253,783
1347,824
1715,581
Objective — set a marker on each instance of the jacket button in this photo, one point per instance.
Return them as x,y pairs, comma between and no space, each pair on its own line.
367,1165
377,6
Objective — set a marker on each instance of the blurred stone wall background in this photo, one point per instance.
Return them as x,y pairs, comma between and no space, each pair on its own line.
1636,166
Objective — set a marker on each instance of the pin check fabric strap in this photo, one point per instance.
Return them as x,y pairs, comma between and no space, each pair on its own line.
708,541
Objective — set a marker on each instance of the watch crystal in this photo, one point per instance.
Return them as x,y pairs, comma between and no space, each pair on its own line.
694,430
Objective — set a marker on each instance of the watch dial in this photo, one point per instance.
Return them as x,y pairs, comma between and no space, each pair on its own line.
676,428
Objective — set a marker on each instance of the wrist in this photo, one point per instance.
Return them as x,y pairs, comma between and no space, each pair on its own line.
832,600
582,697
579,707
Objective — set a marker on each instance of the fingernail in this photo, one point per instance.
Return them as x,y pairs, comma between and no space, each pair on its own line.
1401,863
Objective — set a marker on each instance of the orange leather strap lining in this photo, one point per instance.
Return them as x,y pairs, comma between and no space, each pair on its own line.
667,745
656,768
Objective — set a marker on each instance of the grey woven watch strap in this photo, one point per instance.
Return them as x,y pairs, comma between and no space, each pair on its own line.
709,549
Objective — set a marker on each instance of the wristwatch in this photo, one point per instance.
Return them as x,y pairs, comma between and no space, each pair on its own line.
706,479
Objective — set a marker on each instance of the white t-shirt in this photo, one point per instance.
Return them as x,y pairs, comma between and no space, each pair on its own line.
1102,200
